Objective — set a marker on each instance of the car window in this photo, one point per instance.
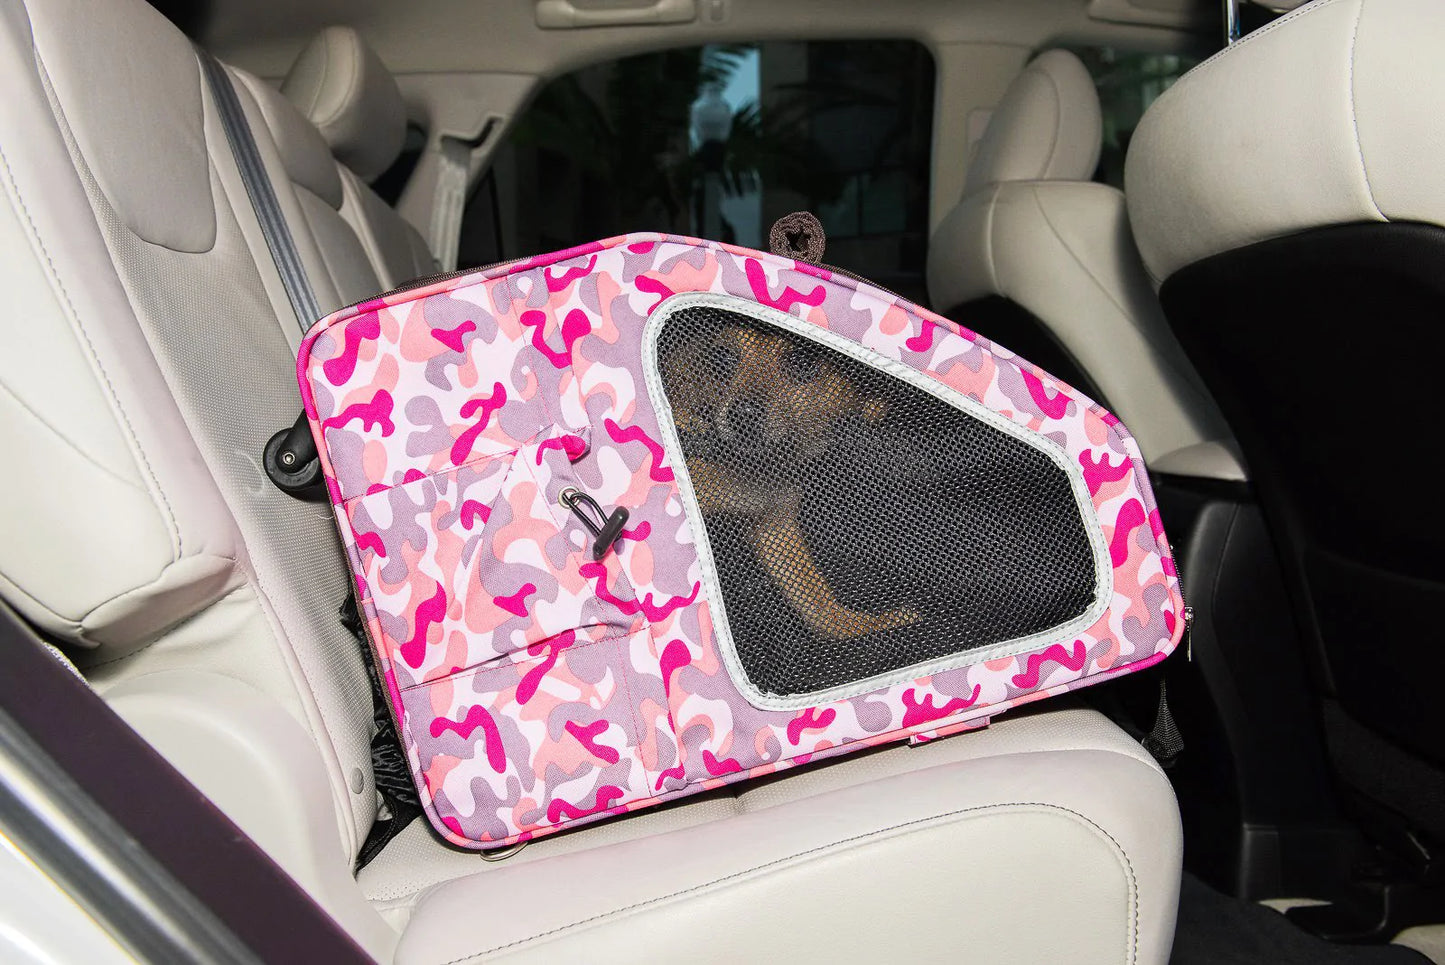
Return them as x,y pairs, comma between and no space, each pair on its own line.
720,141
1128,83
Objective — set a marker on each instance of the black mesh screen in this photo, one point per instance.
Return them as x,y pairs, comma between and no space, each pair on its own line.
859,524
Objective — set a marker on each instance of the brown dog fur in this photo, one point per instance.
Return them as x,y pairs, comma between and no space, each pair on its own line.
771,405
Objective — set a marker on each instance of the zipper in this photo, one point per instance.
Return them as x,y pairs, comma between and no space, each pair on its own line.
425,280
834,269
1188,615
1188,631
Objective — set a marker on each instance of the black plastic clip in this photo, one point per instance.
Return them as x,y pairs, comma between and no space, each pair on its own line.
290,460
605,528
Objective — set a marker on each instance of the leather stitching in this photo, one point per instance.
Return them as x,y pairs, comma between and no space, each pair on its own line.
319,249
1058,125
84,337
157,637
74,447
1268,28
1069,250
352,84
320,81
1354,113
351,199
1128,866
989,262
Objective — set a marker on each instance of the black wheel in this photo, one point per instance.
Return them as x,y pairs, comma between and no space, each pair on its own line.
302,480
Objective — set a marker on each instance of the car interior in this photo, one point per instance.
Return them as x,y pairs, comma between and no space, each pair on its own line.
1187,210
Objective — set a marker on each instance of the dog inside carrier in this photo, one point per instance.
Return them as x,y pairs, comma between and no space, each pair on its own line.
859,523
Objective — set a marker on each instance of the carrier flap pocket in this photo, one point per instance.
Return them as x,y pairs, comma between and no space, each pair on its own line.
481,561
522,747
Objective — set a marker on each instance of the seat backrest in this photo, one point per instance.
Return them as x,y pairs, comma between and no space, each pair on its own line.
331,249
1039,258
149,357
1287,195
343,88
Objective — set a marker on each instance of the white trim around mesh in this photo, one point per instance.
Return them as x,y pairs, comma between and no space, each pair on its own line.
1103,568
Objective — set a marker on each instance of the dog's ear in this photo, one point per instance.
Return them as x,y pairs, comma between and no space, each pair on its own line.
874,410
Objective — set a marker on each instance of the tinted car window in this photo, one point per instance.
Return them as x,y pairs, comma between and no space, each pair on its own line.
720,141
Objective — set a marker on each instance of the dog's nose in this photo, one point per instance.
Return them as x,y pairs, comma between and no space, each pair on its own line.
746,418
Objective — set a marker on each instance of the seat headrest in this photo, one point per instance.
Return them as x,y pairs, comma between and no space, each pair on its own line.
1047,127
347,92
1333,114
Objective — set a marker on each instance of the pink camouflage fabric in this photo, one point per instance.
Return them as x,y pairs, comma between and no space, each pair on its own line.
536,689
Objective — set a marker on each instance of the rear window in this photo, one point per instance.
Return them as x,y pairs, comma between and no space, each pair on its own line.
720,141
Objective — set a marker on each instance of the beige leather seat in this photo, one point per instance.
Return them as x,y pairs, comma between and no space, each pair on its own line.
317,206
1033,228
148,354
340,84
1286,194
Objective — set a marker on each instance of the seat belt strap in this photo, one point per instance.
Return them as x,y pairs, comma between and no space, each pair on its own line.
454,161
262,195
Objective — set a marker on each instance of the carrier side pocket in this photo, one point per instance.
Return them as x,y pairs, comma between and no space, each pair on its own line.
480,562
521,748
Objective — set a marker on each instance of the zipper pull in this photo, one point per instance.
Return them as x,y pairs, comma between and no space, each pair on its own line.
1188,634
604,527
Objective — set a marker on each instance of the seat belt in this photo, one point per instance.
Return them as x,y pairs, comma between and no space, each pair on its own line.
290,455
454,161
262,195
393,781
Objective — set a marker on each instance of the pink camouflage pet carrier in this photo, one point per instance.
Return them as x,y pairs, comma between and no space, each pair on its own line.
655,514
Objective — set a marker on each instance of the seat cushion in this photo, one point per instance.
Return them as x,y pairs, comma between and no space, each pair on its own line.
1048,837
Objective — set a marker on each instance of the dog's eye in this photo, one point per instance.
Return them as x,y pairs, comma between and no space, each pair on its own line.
800,365
722,361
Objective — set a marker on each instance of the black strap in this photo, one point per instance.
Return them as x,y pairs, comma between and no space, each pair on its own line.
259,190
389,766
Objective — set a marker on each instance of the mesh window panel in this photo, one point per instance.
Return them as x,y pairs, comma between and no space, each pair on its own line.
860,525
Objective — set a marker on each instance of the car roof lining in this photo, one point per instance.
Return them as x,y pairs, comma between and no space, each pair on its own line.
424,36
